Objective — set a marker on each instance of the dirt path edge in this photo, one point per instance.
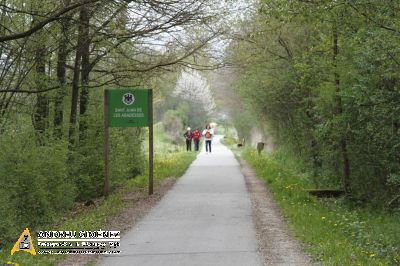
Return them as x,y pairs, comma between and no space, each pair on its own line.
276,245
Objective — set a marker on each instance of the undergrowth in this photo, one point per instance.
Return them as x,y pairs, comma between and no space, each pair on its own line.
333,232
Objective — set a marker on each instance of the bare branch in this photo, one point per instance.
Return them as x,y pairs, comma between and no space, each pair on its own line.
46,21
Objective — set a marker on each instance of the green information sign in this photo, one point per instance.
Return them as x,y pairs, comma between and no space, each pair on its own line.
128,107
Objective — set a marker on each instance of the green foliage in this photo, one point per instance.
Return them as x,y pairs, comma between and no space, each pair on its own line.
38,183
172,165
34,183
244,121
172,123
229,141
165,165
190,112
86,161
327,106
334,233
128,158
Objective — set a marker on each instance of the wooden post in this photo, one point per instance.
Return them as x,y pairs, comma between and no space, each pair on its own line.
106,145
151,144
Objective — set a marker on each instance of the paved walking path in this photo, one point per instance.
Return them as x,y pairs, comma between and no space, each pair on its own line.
205,219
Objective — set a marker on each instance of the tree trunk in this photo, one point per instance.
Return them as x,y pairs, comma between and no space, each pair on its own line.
315,154
339,111
41,108
83,16
84,96
61,74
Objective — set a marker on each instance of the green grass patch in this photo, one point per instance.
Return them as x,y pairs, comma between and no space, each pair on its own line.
229,141
163,143
333,232
165,165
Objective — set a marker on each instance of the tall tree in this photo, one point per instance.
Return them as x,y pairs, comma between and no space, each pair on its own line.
339,109
41,108
63,52
80,49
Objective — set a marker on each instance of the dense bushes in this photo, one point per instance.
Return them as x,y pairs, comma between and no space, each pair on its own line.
39,182
325,82
34,183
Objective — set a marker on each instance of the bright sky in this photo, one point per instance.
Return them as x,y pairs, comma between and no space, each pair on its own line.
227,14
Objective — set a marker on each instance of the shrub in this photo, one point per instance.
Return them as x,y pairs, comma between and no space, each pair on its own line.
34,183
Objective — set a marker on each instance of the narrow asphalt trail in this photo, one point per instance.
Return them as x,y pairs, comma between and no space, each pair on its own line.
206,219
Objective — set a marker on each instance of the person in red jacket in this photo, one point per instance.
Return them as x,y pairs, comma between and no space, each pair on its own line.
188,136
196,139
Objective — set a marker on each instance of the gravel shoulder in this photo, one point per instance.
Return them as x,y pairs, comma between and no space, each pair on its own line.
276,245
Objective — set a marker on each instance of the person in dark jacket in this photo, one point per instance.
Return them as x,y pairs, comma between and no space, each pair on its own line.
188,136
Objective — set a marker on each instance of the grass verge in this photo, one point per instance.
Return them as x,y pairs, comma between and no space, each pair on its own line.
333,232
165,165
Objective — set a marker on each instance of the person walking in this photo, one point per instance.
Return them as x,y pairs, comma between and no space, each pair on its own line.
208,134
196,139
188,136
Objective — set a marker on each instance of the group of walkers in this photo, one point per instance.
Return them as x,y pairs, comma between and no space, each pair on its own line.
208,134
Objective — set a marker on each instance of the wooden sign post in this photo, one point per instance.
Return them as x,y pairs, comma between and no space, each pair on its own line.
151,144
128,108
106,146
